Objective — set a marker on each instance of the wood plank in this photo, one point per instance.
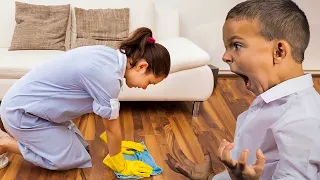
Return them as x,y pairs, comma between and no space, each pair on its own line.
14,167
159,125
226,117
71,174
83,124
90,128
146,122
128,124
46,174
34,173
189,136
238,106
24,170
4,170
154,150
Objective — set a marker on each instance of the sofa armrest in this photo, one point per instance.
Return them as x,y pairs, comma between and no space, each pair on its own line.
166,23
185,54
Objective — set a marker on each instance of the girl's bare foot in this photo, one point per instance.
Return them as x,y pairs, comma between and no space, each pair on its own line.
4,160
8,144
3,137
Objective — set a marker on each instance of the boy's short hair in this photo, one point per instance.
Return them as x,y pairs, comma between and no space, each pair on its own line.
279,19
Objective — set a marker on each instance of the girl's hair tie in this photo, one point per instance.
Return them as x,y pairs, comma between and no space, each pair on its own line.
151,40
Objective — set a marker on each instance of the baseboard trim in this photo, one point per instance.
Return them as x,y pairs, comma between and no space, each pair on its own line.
228,72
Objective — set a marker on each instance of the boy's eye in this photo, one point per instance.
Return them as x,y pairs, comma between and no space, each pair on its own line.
237,45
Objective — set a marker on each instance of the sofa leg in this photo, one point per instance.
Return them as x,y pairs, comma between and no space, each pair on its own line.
215,72
195,109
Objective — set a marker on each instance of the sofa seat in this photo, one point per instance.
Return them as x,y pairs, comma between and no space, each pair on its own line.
15,64
194,84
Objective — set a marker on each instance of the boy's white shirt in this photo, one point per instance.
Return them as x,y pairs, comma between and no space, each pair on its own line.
285,123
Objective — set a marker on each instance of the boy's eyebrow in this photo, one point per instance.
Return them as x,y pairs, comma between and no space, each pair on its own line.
234,37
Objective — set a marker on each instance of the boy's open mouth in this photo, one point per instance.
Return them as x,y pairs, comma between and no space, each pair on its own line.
245,79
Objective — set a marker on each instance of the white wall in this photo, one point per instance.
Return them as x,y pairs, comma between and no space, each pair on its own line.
201,21
312,58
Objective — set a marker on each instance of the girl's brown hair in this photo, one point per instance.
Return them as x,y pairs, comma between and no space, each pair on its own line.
141,45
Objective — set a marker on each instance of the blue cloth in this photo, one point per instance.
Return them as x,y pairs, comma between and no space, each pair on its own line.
141,156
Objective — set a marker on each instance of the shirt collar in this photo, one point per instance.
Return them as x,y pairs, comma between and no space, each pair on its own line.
288,87
122,63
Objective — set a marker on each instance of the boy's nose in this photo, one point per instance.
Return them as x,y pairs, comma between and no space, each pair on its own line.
227,58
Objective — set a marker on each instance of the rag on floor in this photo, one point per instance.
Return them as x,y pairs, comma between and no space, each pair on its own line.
144,157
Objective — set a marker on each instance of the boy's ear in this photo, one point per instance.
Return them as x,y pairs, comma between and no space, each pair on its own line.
142,66
281,49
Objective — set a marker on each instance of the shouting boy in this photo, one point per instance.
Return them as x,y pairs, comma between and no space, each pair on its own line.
278,137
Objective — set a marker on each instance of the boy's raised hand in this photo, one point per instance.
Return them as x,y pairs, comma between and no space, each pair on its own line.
239,169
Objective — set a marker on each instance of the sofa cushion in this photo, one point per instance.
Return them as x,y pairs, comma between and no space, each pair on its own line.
88,42
40,27
101,26
184,54
15,64
141,14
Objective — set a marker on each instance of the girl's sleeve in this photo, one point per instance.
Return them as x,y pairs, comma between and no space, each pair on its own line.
104,88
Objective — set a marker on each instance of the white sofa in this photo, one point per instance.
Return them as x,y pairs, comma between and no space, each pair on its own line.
190,78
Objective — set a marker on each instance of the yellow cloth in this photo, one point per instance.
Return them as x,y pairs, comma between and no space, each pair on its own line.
126,167
127,147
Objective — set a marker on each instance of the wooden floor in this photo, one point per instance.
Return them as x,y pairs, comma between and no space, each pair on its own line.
163,126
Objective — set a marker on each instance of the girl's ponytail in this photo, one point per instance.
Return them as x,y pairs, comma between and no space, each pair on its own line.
142,45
